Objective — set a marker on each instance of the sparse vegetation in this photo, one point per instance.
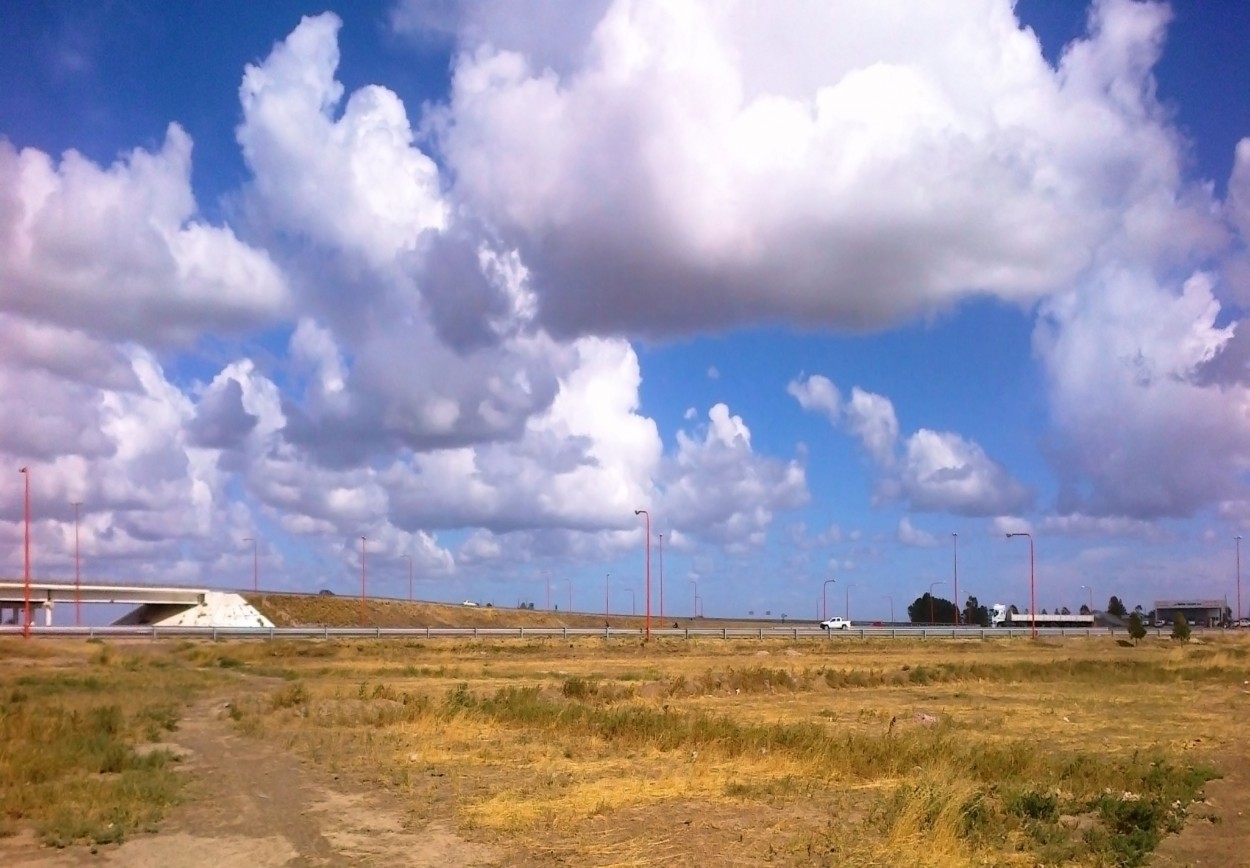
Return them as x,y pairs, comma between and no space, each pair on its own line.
69,767
816,753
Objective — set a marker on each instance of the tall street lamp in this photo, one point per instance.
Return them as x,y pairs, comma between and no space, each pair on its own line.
255,564
633,602
955,592
408,558
1238,539
362,581
695,582
25,512
547,576
824,604
891,599
643,512
77,504
847,613
607,598
570,584
1032,580
932,585
1090,588
661,577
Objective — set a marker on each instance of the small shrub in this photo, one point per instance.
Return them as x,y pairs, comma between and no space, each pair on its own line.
291,696
579,688
1033,805
1180,628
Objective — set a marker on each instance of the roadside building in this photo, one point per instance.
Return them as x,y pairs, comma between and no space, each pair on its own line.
1198,613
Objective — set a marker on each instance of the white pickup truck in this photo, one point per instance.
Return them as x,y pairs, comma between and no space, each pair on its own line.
836,624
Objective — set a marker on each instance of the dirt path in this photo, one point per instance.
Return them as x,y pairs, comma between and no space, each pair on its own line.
250,805
1217,832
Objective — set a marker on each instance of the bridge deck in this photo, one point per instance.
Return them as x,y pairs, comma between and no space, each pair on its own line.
42,593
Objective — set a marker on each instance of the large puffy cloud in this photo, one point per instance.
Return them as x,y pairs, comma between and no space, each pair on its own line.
810,190
933,471
354,183
152,501
386,364
943,471
717,487
1140,429
118,251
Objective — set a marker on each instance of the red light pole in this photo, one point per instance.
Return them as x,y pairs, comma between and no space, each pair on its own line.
77,504
408,558
648,595
932,585
25,471
643,512
1032,581
362,581
661,576
824,603
955,539
1238,538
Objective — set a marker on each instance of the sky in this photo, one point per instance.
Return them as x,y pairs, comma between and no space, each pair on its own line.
840,293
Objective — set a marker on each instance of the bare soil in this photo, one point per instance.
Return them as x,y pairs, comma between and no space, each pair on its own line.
250,805
1217,833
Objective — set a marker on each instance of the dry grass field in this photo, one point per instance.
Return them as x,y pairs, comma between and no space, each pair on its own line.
586,752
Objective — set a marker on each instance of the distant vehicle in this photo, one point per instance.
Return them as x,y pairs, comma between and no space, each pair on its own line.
1244,622
1002,616
469,603
836,624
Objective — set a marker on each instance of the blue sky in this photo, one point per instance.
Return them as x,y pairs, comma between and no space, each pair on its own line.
818,287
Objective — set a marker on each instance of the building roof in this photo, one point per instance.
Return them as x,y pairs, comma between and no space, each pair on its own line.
1190,604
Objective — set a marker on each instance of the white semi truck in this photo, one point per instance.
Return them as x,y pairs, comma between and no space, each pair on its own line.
1002,616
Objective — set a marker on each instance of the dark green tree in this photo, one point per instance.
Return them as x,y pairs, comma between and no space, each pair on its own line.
1115,607
1085,610
1180,628
941,612
976,615
1136,629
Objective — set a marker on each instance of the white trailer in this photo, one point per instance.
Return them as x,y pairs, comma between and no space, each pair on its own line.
1002,616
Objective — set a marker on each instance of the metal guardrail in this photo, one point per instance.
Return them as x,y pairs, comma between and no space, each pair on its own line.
743,633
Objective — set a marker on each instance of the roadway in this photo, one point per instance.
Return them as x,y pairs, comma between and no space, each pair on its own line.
741,633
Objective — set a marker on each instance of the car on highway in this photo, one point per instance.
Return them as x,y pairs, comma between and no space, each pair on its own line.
836,624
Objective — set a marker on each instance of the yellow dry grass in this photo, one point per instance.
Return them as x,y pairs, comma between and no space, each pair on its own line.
810,752
559,783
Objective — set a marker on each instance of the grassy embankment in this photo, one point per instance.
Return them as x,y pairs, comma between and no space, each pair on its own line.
291,610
